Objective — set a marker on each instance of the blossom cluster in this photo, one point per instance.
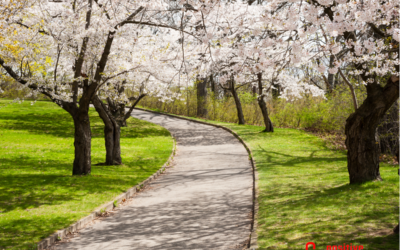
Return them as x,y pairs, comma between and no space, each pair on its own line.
158,46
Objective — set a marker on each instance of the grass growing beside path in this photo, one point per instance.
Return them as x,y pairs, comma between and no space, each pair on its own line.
304,194
38,194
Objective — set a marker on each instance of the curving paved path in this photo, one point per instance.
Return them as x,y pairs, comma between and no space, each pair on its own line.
203,202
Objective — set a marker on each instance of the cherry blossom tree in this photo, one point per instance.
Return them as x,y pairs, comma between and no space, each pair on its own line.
121,98
237,48
361,36
91,50
88,44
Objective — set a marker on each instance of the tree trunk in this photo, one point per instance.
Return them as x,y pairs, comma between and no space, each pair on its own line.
109,143
214,94
82,143
361,127
254,91
117,160
331,77
111,133
237,102
201,97
212,83
352,91
263,106
114,117
119,117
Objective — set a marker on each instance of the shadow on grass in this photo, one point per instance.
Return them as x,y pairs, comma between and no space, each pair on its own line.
39,194
291,161
305,196
32,190
44,123
329,216
17,233
27,194
141,129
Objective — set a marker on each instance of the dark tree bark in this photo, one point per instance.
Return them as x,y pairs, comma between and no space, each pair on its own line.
201,97
352,91
137,100
361,127
117,145
117,111
82,143
111,133
212,83
263,106
238,104
120,121
114,117
254,91
233,89
214,95
331,77
83,135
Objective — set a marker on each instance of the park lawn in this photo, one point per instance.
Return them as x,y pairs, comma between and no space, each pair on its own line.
38,194
305,196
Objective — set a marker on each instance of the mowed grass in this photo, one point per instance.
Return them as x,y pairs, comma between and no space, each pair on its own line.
38,194
305,196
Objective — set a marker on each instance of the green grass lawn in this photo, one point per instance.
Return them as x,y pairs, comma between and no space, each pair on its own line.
304,194
38,194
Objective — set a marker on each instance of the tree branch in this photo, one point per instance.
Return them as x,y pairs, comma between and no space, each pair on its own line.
26,26
377,31
162,26
79,61
351,89
128,114
100,5
35,87
130,17
316,84
326,80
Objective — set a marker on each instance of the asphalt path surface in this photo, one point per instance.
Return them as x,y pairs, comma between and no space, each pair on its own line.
204,201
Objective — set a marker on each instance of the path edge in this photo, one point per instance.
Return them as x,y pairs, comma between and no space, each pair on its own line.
252,244
82,223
